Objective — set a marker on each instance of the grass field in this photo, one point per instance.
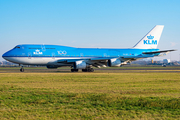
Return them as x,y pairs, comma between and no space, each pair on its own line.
123,67
90,95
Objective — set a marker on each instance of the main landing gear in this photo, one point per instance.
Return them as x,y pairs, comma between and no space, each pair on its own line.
22,69
83,70
88,70
74,70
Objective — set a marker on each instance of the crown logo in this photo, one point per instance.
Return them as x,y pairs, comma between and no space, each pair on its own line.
37,50
150,37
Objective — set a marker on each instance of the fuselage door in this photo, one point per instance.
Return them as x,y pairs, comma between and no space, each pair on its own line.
29,55
105,55
43,47
53,55
81,54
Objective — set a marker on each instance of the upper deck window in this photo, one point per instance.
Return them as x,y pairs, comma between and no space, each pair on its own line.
50,48
41,48
35,48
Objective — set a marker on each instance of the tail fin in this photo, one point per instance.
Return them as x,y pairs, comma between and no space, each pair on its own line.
151,39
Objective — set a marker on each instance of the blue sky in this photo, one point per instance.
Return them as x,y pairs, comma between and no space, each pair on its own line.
88,23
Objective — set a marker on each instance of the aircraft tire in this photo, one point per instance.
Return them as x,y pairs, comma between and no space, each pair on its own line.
74,70
22,69
92,70
84,70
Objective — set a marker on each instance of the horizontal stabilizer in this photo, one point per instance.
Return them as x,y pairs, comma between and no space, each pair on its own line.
154,52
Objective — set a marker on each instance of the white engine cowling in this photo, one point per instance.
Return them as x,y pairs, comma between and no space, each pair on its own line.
80,65
114,63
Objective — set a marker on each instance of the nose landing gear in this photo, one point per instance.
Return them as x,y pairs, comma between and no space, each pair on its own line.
22,69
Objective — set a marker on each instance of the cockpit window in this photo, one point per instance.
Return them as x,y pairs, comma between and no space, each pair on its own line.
16,47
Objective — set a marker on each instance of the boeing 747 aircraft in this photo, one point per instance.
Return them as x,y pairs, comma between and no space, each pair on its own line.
54,56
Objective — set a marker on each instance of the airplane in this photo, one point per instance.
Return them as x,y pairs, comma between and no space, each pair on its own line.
54,56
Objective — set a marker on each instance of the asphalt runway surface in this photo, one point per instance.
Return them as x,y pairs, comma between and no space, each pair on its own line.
101,70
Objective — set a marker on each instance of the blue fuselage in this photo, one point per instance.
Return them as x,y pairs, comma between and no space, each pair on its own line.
64,51
57,52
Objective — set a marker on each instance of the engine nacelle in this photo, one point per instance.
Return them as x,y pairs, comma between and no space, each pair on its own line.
80,65
114,63
51,67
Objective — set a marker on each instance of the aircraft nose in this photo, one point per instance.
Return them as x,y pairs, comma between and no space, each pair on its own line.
4,55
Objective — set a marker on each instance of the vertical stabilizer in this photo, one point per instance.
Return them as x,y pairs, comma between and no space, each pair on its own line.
151,39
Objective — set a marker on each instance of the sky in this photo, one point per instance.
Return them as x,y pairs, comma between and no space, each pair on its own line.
89,23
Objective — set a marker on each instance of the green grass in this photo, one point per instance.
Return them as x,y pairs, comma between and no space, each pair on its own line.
89,95
123,67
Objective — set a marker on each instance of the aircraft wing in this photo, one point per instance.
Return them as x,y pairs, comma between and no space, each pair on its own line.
96,62
102,61
68,60
85,59
154,52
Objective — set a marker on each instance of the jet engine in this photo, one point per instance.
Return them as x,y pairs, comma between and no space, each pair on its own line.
114,62
51,67
80,65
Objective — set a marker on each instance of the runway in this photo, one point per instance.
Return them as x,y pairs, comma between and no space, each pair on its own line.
97,70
